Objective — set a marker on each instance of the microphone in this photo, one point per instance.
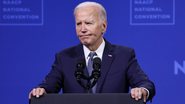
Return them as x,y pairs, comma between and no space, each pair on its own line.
79,73
79,69
96,67
96,63
96,72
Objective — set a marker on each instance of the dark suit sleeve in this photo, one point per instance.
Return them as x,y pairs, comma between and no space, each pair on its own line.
137,78
53,81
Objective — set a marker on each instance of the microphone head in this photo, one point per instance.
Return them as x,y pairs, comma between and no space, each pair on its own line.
96,63
80,64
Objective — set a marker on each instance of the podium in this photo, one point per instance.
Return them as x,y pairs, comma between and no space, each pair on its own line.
81,98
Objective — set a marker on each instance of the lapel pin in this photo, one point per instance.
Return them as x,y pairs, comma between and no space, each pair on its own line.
110,55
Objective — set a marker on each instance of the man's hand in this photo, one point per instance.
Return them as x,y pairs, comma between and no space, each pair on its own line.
138,93
37,92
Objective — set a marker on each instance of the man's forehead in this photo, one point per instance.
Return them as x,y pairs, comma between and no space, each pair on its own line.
86,18
86,13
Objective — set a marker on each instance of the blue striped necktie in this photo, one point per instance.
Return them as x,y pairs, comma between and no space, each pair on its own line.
90,67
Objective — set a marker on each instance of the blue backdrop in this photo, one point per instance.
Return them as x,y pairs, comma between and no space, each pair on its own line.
31,32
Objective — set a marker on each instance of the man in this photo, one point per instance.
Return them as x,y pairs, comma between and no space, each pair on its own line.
119,69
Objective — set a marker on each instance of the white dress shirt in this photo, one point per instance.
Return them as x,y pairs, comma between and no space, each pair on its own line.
99,51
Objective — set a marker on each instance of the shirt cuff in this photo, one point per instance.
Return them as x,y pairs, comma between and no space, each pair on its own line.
147,92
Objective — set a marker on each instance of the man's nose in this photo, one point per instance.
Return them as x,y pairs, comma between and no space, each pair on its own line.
83,28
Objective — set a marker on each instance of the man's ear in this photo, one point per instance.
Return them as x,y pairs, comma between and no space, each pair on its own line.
104,26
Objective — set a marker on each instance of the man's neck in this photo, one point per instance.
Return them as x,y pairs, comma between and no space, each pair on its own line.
96,45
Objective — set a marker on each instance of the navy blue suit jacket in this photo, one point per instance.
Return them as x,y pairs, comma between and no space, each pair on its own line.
119,71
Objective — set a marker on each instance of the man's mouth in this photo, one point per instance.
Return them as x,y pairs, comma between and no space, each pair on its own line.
84,36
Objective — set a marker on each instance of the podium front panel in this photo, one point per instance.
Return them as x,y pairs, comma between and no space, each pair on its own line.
99,98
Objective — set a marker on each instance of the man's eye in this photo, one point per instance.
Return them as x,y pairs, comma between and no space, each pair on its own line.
88,23
78,23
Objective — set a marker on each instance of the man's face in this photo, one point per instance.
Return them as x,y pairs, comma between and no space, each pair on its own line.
89,26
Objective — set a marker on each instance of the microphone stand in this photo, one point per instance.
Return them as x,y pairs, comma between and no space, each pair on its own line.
79,74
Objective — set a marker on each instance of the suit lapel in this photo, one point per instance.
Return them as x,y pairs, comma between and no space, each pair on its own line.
107,59
80,55
79,51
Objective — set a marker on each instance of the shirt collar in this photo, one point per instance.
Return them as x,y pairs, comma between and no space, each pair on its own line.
99,51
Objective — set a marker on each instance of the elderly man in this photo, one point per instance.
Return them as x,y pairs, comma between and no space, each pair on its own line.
119,67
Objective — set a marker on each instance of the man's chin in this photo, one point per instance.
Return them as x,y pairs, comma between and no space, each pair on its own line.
85,43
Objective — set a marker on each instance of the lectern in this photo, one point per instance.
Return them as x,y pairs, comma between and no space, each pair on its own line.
98,98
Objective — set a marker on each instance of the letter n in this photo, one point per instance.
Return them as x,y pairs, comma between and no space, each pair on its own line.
178,67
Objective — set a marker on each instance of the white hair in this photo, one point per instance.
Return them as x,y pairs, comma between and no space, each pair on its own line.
103,14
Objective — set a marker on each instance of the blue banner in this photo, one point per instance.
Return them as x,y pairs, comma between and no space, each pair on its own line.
32,31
